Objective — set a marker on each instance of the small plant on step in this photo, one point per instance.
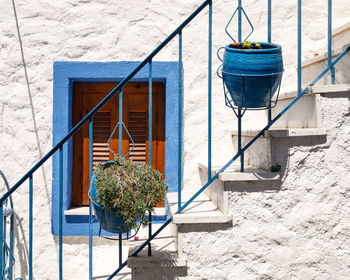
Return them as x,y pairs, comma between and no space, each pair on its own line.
275,168
247,45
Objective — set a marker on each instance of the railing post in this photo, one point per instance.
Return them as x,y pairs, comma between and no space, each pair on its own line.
4,248
11,241
60,213
210,86
150,143
239,21
120,123
120,246
91,141
239,116
330,42
299,47
149,233
180,100
30,254
269,19
1,240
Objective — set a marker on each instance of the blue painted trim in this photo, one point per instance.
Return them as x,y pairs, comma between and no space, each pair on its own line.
65,73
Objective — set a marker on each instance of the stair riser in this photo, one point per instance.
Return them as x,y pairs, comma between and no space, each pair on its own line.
304,114
259,154
313,67
220,189
341,38
269,151
215,191
342,69
158,273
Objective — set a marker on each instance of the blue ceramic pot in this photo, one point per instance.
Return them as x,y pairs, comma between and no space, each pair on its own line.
252,76
108,219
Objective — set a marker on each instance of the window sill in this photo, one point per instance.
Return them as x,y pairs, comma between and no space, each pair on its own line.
84,211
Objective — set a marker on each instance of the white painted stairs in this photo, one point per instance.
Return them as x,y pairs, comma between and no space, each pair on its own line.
210,210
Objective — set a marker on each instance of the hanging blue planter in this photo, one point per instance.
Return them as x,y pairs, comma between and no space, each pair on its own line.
252,76
108,219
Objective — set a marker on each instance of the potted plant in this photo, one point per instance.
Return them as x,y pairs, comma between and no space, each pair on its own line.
122,191
252,72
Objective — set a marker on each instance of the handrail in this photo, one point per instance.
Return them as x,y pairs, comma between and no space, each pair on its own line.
118,89
105,100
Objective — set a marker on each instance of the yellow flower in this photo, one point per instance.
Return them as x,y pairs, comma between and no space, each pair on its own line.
247,45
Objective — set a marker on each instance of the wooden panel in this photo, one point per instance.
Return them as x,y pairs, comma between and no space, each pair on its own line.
137,122
101,134
85,97
135,116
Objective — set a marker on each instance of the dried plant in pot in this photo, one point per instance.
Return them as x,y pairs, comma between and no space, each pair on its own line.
123,191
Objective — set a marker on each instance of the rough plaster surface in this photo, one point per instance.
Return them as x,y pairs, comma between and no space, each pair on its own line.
121,30
299,230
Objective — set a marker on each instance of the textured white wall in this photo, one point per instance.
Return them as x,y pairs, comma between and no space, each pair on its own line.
124,30
298,231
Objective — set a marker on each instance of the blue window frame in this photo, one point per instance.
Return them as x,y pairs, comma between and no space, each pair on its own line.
65,74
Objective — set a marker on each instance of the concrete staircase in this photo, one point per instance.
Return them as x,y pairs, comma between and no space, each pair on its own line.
314,66
211,213
202,242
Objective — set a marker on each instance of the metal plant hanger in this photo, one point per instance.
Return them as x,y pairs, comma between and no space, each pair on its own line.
251,73
121,126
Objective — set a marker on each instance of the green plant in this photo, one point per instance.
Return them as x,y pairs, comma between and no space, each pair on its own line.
275,168
130,189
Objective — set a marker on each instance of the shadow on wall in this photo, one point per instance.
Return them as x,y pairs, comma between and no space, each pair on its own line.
31,103
21,247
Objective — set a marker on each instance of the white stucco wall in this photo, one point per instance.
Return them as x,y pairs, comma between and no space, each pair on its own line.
123,30
298,230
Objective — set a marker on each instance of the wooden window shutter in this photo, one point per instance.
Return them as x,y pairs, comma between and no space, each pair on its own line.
137,122
101,134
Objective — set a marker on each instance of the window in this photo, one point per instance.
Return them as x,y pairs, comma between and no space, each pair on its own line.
135,117
70,75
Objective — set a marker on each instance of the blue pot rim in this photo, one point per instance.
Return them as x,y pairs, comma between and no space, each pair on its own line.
253,75
273,48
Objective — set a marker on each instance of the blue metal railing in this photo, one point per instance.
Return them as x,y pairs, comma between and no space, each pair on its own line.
7,259
118,89
89,118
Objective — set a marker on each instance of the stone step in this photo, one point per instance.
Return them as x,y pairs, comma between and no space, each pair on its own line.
305,113
201,211
312,67
201,215
273,147
232,180
330,89
282,132
164,262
